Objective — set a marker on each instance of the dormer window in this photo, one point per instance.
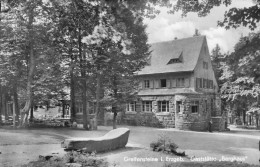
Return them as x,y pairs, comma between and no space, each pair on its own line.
173,61
176,60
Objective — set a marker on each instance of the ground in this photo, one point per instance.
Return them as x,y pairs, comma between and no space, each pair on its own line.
21,146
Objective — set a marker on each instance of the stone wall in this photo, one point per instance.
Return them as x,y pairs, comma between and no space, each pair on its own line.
219,123
186,120
208,105
154,118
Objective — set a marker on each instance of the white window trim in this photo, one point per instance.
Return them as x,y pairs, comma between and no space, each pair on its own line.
145,108
159,110
129,107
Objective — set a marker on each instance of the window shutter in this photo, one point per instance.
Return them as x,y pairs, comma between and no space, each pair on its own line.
151,83
187,82
156,83
168,83
173,83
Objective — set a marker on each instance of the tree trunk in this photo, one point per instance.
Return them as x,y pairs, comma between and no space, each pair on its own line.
97,99
31,113
114,107
114,117
257,121
244,117
4,108
16,104
72,92
1,105
86,122
32,65
257,113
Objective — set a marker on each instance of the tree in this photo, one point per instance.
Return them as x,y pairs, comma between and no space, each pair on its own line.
233,18
197,33
242,74
122,49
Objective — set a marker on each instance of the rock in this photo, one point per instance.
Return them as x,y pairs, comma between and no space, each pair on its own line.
46,158
54,153
114,139
73,165
0,152
179,152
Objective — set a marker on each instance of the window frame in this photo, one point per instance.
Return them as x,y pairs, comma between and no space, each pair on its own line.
130,106
204,83
160,106
146,83
194,103
147,104
165,83
178,106
79,107
180,82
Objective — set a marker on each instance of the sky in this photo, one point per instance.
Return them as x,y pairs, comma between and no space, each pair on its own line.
166,27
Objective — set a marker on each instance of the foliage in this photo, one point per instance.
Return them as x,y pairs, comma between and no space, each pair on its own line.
83,159
233,18
242,71
165,144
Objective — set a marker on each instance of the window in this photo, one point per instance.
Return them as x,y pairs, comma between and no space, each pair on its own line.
205,65
194,106
204,83
212,108
199,83
163,83
180,82
178,106
146,84
208,83
172,61
176,60
211,84
206,105
131,106
79,107
147,106
163,106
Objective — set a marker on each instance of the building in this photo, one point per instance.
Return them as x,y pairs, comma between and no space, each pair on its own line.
178,88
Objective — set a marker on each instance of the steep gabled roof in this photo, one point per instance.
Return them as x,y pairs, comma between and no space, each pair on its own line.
188,49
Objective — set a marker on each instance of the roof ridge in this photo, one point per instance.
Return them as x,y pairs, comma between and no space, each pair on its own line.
201,36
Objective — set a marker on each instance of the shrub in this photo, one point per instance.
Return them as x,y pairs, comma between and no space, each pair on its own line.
84,159
164,144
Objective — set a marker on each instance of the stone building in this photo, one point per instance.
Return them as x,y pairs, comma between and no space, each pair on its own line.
178,88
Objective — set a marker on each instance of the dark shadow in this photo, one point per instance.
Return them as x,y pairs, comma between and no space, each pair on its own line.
120,150
109,152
